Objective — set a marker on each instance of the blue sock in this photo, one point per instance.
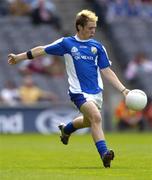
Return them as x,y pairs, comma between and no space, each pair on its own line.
101,147
69,128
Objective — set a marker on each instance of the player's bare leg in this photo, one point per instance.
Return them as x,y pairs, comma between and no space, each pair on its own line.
91,118
91,112
81,122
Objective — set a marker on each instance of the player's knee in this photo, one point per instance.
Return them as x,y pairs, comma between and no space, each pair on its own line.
96,118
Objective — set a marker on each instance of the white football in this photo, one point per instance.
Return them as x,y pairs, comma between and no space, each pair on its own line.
136,100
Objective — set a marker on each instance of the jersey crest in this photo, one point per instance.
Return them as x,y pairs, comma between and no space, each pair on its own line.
94,50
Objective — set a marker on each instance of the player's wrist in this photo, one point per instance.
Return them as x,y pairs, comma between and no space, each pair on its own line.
123,90
15,58
18,58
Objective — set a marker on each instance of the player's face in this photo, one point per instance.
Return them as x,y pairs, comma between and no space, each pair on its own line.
88,31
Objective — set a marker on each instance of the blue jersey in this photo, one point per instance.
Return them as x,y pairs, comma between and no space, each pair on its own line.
83,60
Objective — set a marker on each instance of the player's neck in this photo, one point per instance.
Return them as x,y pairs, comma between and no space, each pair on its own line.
81,36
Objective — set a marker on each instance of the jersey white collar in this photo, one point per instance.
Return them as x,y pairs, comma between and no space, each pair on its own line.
78,39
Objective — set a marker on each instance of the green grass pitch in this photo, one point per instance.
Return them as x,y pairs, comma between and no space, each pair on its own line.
39,157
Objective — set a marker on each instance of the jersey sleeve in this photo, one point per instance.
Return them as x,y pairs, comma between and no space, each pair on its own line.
103,59
56,48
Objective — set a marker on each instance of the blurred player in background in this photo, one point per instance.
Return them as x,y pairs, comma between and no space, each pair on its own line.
85,59
128,119
31,93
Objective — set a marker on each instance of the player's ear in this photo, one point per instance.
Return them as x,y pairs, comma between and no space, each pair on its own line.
80,27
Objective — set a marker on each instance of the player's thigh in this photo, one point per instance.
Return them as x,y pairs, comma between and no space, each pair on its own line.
90,111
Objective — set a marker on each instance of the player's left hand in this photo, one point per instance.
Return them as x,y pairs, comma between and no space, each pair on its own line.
125,92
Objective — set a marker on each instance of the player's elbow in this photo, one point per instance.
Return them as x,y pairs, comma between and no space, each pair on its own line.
41,49
38,51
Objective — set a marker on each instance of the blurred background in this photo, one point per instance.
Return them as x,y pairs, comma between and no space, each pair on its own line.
33,94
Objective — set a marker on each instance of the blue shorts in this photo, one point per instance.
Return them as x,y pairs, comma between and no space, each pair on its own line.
80,98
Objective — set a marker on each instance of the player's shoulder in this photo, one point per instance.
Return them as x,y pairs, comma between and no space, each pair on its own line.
68,38
62,40
68,41
97,43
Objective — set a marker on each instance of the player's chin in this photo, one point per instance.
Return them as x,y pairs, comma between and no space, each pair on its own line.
91,35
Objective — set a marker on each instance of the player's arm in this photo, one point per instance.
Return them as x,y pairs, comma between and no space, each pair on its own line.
55,48
113,79
31,54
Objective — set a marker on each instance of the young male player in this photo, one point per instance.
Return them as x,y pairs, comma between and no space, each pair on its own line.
85,59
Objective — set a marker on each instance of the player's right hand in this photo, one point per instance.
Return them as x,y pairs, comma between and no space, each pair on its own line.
12,59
